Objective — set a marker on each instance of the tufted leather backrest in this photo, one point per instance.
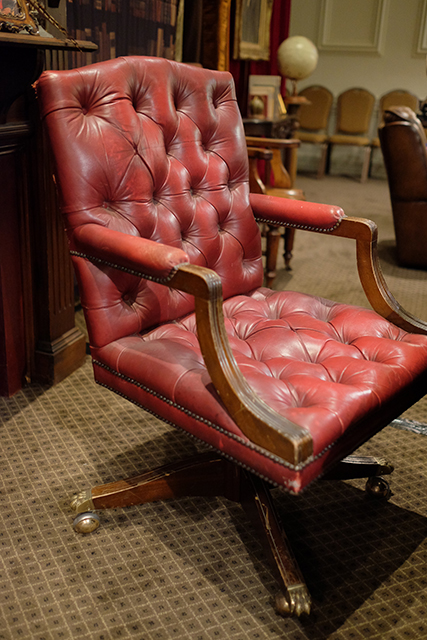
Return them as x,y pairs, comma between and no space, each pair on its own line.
155,149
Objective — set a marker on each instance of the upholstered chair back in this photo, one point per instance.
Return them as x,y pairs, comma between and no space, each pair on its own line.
354,111
403,144
315,115
153,149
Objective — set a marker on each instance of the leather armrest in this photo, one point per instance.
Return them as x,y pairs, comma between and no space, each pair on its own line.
296,213
132,253
323,218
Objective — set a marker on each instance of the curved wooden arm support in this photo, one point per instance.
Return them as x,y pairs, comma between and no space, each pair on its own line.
256,184
258,422
260,154
365,233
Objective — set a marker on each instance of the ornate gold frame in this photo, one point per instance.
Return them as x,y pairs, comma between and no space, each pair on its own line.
252,29
16,17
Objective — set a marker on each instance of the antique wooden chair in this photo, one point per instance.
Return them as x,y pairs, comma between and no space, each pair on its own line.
277,180
354,112
313,118
152,170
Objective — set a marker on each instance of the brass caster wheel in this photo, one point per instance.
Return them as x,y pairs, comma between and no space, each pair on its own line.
377,487
86,522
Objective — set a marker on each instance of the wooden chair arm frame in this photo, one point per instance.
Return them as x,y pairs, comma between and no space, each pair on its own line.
258,422
261,424
365,232
256,184
259,154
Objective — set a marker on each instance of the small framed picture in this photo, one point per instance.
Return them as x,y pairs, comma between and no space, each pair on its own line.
15,17
252,29
263,97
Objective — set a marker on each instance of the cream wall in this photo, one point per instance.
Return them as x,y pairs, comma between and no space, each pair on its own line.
398,67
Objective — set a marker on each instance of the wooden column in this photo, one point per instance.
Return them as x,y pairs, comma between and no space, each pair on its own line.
13,339
59,347
38,337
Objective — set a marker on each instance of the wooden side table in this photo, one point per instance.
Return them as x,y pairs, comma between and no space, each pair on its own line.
283,161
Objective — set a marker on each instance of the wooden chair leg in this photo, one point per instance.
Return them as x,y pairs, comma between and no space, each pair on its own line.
359,467
289,237
328,158
272,249
210,475
370,161
255,498
322,164
366,163
200,475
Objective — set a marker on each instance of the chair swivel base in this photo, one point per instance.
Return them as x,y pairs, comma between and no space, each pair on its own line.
209,474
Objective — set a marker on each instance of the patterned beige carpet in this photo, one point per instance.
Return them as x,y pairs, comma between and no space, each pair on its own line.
193,568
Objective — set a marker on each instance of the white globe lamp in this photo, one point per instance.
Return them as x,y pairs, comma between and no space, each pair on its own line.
297,58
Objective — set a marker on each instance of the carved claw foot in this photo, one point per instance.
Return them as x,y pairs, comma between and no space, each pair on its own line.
294,602
82,501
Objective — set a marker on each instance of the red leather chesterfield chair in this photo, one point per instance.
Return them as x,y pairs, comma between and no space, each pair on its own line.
152,170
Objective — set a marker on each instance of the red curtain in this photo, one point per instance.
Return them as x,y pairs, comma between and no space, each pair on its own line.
241,69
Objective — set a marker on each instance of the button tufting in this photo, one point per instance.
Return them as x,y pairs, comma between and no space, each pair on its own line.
128,299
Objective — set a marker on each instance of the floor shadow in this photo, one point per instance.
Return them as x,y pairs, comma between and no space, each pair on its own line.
347,545
387,253
12,406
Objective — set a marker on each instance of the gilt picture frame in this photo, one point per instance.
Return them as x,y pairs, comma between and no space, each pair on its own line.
15,17
252,29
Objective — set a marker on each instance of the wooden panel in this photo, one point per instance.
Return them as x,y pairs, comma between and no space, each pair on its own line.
38,337
13,353
356,27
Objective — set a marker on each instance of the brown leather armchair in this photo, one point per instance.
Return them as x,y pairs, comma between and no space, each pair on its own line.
152,169
403,144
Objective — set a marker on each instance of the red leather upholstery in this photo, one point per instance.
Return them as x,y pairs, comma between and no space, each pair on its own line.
166,143
156,150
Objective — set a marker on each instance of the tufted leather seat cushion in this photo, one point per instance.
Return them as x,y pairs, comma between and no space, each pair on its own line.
320,364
